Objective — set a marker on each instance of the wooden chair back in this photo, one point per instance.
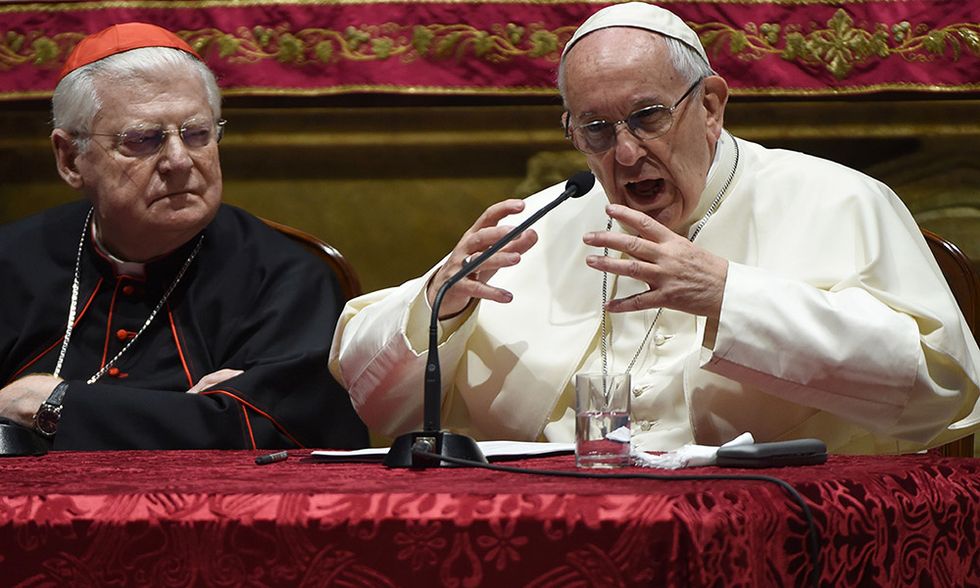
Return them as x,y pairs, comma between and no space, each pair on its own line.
963,280
346,275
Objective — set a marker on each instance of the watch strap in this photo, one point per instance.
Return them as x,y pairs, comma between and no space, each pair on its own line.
58,394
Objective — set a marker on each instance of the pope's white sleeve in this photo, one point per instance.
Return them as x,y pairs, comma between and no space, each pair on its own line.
841,351
379,354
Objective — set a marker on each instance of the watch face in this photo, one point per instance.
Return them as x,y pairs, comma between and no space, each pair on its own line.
47,419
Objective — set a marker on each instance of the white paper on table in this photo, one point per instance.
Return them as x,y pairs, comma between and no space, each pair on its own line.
491,450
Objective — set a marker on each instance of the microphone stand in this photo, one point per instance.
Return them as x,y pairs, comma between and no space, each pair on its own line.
431,439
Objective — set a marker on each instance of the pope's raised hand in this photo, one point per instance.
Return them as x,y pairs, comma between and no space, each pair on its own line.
680,275
479,237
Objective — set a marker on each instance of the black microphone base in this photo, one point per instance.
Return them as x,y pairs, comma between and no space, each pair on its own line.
402,453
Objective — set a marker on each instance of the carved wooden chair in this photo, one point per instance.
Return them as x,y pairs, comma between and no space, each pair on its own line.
965,284
349,282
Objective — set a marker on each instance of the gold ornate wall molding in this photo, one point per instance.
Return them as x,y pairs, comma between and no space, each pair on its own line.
394,186
940,183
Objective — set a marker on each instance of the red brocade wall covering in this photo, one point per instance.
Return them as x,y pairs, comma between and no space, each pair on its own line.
800,48
213,518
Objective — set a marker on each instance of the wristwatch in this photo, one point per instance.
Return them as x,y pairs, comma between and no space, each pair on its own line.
47,416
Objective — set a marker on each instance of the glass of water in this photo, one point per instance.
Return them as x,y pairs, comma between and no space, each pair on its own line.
602,420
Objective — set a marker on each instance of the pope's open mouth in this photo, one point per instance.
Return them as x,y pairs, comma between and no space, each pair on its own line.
646,190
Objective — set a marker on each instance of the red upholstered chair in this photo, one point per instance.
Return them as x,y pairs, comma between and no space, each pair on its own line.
965,284
349,282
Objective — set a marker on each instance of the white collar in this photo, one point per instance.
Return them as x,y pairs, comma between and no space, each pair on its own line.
128,268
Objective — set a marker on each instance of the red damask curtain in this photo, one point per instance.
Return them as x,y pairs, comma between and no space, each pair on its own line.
799,48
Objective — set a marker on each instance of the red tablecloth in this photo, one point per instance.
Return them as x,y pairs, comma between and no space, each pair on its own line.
214,518
798,48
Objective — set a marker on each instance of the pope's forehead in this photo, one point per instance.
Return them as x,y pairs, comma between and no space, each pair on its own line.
618,49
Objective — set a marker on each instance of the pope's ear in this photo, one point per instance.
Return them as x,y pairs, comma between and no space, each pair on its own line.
715,100
66,157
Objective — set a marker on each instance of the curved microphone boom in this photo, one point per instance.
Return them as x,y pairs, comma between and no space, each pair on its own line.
431,439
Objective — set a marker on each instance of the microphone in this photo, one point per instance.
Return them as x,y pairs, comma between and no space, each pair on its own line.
432,440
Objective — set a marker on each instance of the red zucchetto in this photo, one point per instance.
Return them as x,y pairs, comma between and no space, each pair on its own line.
119,38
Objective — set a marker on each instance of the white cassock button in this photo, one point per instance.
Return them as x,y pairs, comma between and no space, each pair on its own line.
659,338
637,392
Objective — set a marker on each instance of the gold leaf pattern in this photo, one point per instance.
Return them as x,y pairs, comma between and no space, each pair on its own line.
379,42
356,43
841,45
35,47
838,47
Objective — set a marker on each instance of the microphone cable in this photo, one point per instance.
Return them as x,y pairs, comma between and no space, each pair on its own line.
813,539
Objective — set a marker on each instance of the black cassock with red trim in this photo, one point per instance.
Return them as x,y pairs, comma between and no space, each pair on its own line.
250,300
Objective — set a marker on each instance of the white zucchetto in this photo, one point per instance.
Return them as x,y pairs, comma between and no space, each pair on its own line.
639,15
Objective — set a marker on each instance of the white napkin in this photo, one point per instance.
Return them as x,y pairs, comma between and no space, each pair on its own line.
688,456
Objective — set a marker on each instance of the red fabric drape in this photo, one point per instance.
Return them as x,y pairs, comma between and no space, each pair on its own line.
214,518
784,47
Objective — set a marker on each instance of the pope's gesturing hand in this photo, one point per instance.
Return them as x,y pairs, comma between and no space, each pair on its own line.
484,233
680,275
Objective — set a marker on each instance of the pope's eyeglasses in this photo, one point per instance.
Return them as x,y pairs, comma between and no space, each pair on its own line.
645,124
144,142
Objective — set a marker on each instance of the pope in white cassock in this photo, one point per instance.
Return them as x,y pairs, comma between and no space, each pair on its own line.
743,288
